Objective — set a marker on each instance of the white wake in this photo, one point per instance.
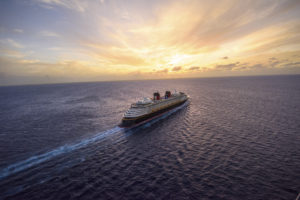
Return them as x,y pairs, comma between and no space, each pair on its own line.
35,160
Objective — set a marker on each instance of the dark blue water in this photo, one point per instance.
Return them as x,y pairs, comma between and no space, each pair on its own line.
237,139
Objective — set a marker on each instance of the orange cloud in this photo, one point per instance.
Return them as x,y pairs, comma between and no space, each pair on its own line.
176,69
168,39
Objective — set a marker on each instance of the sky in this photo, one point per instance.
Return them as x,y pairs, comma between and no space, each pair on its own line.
57,41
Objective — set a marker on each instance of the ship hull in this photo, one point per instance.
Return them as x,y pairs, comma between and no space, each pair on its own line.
128,122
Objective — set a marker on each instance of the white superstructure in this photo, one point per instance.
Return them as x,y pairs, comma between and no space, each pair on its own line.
147,106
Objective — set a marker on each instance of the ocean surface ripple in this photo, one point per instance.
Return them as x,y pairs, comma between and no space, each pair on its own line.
237,139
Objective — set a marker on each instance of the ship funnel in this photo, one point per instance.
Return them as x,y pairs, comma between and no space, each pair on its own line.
156,96
168,94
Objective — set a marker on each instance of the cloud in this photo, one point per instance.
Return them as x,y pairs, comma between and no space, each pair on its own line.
56,48
122,58
176,69
11,53
273,64
48,34
16,30
76,5
120,37
292,64
25,61
208,30
154,35
11,43
256,66
226,66
238,66
194,68
162,71
25,71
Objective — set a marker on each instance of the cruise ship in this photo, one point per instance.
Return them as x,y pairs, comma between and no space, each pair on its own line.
149,108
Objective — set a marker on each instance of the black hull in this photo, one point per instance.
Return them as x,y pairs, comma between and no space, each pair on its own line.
127,122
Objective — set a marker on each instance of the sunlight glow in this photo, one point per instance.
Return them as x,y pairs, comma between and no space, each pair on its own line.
96,41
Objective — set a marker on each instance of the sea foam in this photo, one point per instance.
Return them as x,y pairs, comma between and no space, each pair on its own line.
35,160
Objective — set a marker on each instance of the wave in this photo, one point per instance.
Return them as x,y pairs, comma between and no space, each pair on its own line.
35,160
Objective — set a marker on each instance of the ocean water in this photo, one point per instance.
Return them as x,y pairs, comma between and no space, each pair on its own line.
238,138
